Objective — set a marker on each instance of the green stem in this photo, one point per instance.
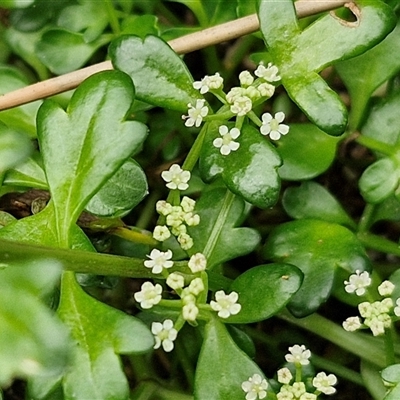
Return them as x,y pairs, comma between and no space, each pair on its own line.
112,17
379,243
366,218
194,153
376,145
219,224
389,346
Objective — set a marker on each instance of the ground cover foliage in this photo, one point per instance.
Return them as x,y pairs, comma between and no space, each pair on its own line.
220,225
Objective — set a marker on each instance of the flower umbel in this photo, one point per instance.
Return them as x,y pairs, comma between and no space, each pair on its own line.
226,305
196,113
255,387
159,260
176,177
357,283
149,295
272,125
164,334
226,142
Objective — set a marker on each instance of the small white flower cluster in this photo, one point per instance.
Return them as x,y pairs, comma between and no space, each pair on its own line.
378,314
177,219
209,83
256,387
226,143
176,177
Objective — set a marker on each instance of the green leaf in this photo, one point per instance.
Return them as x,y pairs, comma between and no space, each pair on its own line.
317,248
380,180
250,172
15,147
362,75
32,340
160,76
22,118
230,366
89,18
29,174
306,152
391,375
15,3
264,291
77,170
63,51
383,121
100,333
216,236
301,54
124,191
312,201
140,25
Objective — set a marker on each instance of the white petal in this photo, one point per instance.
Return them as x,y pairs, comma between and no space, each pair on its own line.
280,116
234,146
235,133
283,129
274,135
266,117
225,149
218,142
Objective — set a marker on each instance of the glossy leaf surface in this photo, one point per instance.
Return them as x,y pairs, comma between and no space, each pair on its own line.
121,193
63,51
362,75
317,248
250,172
230,366
312,201
216,236
100,333
264,291
15,148
31,338
391,374
160,76
306,152
301,54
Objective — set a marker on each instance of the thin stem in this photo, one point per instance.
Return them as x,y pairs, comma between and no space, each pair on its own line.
376,145
112,17
219,224
366,218
185,44
379,243
389,346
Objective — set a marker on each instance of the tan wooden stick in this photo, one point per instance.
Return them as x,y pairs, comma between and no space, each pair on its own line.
185,44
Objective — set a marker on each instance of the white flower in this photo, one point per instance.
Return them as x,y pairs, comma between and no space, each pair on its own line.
255,387
365,308
225,304
298,355
176,177
234,93
178,229
269,73
190,311
159,260
192,219
197,262
272,125
196,286
185,241
298,388
324,383
175,281
252,93
397,308
352,324
187,204
386,288
226,143
266,89
161,233
196,113
357,283
164,334
241,106
149,295
377,327
308,396
285,395
175,217
245,78
209,83
163,207
284,375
